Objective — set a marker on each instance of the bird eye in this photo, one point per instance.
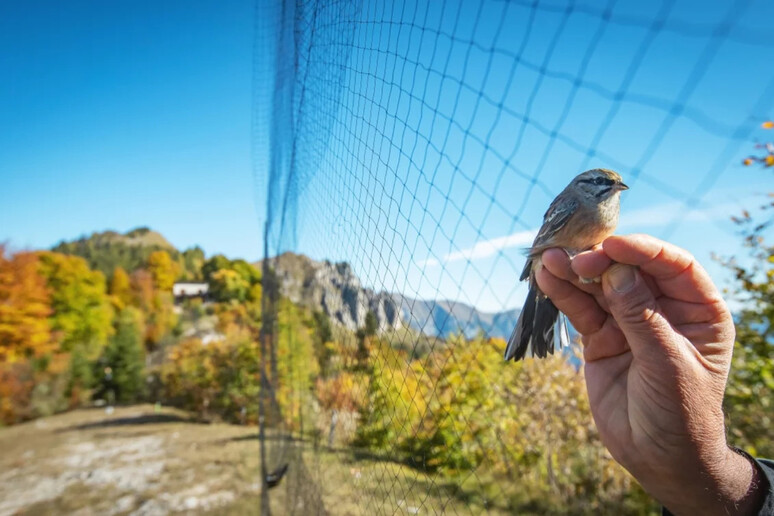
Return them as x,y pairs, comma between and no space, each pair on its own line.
599,180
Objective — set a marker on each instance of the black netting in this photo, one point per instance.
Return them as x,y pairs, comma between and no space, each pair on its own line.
405,152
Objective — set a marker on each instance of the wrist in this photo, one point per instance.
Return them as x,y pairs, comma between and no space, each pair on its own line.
744,478
728,485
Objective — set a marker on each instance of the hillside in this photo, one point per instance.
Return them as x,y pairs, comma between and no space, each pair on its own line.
332,288
106,250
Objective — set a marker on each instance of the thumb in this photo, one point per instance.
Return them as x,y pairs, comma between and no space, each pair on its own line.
636,312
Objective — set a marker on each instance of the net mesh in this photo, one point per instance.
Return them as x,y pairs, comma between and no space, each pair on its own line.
405,153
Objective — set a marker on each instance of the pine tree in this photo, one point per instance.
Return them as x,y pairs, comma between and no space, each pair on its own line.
122,366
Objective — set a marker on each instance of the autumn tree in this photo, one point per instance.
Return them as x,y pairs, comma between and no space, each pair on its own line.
232,279
17,381
393,409
24,308
227,285
220,379
120,288
213,265
189,375
193,260
163,270
82,314
156,306
141,283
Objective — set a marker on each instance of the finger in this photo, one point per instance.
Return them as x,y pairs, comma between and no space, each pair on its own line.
580,308
676,272
607,342
559,264
649,335
591,264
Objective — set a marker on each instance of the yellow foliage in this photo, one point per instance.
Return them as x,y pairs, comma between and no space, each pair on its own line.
163,270
463,410
82,313
120,289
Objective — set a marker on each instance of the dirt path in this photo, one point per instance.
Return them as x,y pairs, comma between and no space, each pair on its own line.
136,461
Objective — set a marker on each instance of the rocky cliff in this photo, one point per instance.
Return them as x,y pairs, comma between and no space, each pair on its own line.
337,291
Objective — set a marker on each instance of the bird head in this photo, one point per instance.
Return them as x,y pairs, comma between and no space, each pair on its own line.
598,184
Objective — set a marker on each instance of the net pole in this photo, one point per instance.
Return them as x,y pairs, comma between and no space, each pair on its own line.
264,336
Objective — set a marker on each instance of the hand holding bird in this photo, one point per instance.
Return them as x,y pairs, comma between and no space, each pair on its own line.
581,216
657,343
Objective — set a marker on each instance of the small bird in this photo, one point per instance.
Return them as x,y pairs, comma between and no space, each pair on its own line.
583,215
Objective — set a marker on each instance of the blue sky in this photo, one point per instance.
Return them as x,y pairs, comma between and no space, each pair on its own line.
121,114
424,157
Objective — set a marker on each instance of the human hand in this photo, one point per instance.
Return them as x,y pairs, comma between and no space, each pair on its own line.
657,341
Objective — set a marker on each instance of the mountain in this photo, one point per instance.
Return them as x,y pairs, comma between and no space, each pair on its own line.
444,318
334,289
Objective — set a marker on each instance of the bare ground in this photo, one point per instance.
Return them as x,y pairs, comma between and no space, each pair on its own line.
134,461
143,462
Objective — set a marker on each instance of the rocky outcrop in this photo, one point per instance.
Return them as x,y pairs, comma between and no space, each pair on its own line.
334,289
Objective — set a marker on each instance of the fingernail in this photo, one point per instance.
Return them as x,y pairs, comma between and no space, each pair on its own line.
621,277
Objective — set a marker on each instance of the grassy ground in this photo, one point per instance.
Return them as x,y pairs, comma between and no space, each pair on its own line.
352,485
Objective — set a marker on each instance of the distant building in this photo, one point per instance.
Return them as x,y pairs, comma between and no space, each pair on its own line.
184,290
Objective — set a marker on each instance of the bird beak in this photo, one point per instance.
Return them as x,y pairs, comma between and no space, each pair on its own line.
621,186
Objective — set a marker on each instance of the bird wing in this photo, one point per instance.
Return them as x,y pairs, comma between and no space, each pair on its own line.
555,218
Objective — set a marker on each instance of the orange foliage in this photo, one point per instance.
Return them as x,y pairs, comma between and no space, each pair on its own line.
142,289
16,383
344,392
155,304
24,309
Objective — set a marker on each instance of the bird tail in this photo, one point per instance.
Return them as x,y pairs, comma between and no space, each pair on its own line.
534,332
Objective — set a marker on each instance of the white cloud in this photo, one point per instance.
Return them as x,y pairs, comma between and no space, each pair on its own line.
666,213
484,249
430,262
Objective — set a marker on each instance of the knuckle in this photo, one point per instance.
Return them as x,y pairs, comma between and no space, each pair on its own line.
639,309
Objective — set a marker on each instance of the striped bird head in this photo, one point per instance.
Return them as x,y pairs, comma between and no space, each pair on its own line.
598,184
